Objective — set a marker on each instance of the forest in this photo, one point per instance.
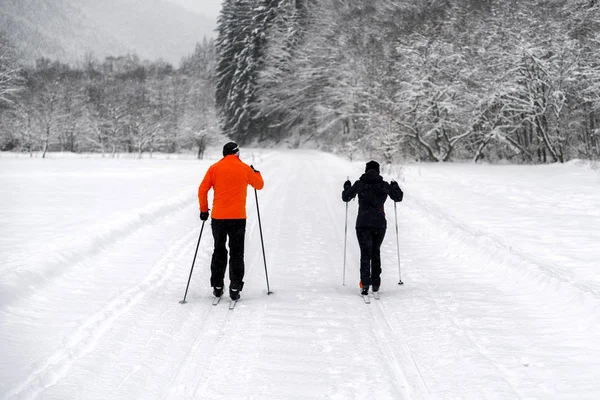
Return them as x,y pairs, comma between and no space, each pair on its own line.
436,80
119,104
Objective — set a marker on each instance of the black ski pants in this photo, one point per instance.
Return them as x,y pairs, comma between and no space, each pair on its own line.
369,241
235,230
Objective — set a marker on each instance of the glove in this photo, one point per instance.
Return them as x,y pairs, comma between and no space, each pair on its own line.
398,192
347,185
203,215
254,169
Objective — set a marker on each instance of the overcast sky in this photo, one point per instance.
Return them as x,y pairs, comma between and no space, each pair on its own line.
209,8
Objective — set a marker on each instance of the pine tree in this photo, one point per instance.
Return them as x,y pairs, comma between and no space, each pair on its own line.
274,91
243,33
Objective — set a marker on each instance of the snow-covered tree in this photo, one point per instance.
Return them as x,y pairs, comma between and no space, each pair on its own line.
9,72
237,60
198,125
435,80
243,27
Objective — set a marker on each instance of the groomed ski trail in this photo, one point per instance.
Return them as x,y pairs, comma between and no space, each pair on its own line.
312,338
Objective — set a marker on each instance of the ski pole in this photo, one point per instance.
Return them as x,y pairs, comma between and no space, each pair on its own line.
193,262
345,240
398,246
262,241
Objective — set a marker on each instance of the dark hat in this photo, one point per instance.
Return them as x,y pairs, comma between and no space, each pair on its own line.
230,148
374,165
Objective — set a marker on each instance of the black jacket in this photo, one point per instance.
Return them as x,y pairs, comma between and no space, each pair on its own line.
372,193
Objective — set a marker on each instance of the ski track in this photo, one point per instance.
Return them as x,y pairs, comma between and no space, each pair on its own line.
84,339
420,341
430,294
498,250
389,338
210,346
278,323
18,284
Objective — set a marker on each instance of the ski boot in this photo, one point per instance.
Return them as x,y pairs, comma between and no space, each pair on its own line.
234,294
364,289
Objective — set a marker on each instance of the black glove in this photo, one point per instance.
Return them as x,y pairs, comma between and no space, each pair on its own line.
396,193
347,185
254,169
203,215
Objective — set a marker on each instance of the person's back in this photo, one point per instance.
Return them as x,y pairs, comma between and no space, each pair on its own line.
372,192
229,179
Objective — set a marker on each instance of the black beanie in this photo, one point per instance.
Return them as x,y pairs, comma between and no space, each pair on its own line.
230,148
374,165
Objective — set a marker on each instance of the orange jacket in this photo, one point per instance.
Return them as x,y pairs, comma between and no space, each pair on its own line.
229,179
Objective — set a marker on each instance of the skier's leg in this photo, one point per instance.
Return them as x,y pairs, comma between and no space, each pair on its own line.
378,235
365,242
219,256
237,232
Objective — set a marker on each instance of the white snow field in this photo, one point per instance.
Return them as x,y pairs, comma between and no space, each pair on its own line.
501,294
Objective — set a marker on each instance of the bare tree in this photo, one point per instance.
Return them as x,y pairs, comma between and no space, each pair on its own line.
9,72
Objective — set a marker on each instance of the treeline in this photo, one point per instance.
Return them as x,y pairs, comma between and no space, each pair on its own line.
396,79
429,80
119,104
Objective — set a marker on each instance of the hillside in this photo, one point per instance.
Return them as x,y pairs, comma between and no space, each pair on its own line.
68,29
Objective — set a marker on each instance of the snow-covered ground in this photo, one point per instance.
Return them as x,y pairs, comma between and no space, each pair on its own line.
501,299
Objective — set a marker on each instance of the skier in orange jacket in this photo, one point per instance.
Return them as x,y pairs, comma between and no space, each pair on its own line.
229,178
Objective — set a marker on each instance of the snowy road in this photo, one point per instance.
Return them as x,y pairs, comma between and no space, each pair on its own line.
89,304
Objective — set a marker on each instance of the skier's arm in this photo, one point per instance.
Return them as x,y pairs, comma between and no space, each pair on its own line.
396,193
255,179
349,192
203,190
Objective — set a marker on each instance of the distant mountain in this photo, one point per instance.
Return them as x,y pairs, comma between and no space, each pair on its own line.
68,29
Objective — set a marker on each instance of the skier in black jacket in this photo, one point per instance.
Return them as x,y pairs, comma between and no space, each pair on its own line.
371,224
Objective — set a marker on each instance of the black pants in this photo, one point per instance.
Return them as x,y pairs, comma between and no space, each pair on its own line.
235,230
369,241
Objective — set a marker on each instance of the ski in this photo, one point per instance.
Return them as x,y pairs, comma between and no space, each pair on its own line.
232,304
216,300
376,295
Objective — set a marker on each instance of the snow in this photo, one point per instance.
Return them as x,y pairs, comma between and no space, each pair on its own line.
500,263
